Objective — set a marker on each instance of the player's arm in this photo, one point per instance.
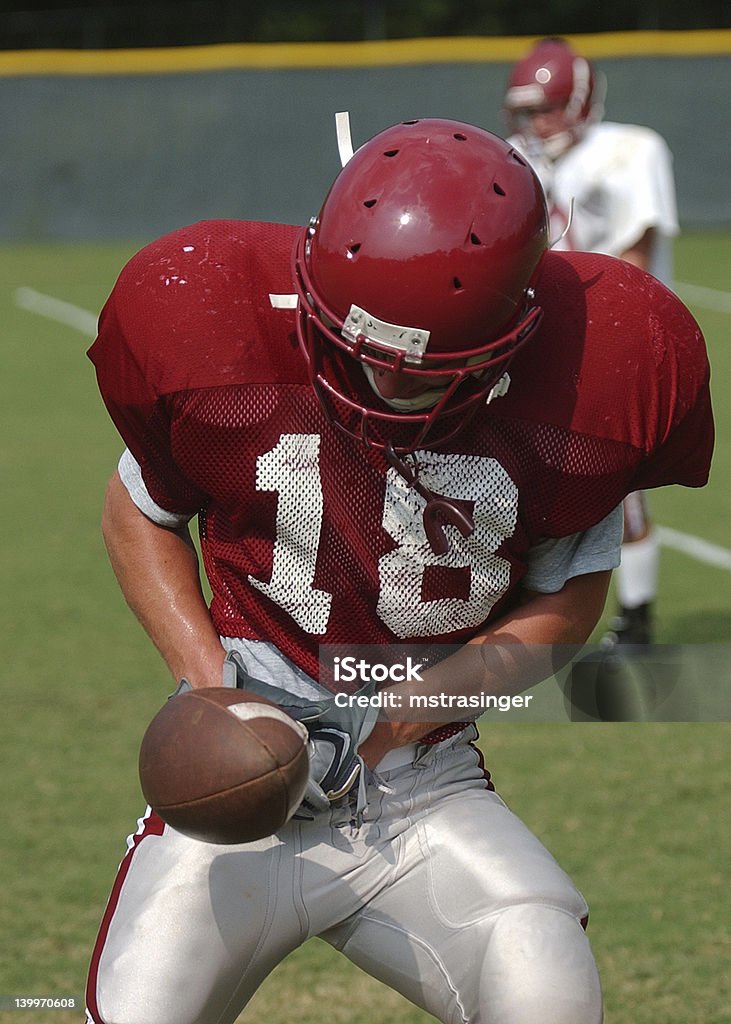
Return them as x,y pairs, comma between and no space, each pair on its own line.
157,571
515,653
639,253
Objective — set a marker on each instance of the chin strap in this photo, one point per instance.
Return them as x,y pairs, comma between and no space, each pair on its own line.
439,511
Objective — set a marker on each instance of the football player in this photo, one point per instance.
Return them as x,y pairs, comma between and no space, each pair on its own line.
408,423
610,189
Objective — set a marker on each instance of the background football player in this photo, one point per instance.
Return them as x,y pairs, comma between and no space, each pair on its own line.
403,424
610,189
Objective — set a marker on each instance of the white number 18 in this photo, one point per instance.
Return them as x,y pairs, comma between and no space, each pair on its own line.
292,470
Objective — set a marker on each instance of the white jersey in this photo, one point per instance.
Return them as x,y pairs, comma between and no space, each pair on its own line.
620,178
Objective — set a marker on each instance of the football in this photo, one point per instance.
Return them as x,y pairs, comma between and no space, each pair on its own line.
223,765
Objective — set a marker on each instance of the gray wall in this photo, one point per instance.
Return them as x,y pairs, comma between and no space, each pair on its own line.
131,156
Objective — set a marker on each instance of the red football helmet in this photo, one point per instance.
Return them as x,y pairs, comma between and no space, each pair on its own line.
553,75
420,262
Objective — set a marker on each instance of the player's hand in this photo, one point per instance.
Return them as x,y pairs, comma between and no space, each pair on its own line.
182,687
335,766
384,736
335,734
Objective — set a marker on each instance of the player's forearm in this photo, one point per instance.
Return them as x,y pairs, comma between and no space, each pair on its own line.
517,652
528,645
157,570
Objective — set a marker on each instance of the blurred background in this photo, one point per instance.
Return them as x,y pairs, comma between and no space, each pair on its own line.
126,120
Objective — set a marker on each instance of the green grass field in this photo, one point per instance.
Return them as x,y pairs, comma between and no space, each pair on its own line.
637,813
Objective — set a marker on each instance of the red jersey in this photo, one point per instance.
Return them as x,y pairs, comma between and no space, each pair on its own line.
310,538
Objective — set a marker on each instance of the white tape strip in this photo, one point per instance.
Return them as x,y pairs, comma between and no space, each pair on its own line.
342,130
283,301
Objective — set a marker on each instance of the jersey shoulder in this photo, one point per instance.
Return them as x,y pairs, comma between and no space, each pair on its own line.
617,357
192,308
611,143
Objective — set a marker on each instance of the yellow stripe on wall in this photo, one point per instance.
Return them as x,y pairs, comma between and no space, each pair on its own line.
390,52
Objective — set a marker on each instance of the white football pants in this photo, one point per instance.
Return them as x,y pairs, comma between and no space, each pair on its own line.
441,893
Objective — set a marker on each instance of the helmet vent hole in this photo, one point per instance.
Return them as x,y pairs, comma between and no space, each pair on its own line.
475,239
457,284
460,137
518,159
369,203
498,189
391,152
354,248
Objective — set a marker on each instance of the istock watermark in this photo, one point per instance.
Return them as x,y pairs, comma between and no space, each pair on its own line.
350,669
538,683
401,681
419,702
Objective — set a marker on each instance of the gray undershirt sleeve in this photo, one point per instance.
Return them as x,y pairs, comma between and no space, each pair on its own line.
131,476
552,563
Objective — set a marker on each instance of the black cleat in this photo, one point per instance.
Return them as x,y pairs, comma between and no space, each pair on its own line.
631,626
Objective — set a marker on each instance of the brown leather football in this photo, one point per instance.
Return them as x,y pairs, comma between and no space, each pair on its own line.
223,765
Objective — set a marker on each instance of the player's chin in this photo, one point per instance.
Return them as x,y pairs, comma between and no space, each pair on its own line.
392,386
388,387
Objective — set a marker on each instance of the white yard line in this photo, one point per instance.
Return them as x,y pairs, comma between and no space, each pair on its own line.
706,298
56,309
695,547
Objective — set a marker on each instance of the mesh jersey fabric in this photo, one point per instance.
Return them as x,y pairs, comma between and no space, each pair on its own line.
310,538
